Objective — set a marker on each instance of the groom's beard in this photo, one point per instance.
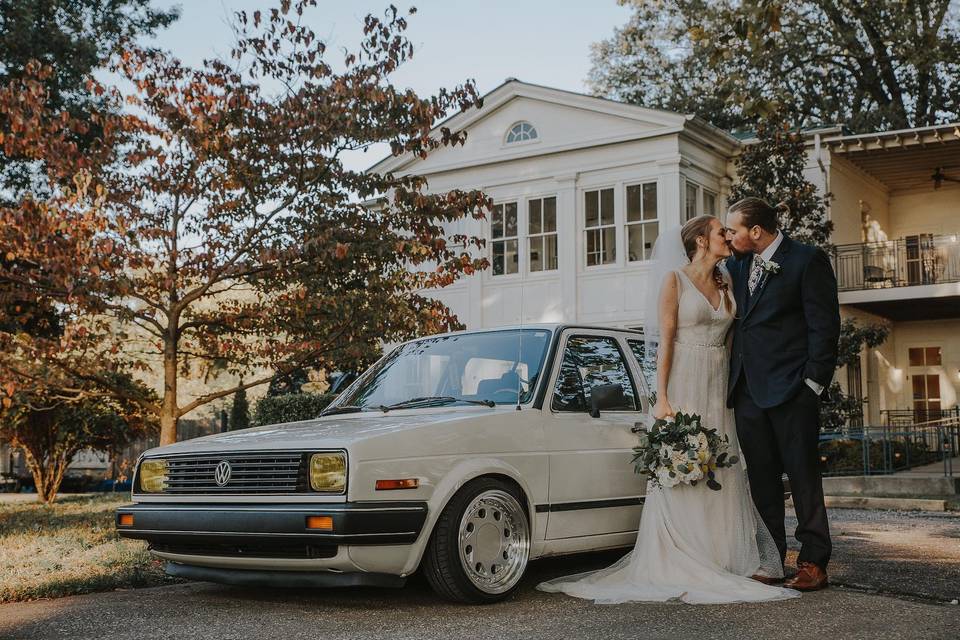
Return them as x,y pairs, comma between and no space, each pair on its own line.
737,253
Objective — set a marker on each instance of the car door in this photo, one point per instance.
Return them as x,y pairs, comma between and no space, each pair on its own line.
593,489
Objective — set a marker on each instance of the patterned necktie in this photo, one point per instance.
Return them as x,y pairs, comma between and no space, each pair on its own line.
756,274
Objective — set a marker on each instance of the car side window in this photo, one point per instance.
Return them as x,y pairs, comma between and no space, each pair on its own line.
589,361
646,361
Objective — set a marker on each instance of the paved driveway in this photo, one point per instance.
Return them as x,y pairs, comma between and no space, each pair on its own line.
916,557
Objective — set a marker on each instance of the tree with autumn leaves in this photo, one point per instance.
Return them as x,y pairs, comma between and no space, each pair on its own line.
216,229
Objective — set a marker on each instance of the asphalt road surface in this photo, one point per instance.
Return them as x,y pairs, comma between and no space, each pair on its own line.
895,575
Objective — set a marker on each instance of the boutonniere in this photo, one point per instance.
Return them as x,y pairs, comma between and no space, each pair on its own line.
769,266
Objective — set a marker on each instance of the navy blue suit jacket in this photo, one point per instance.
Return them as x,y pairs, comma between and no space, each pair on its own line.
789,328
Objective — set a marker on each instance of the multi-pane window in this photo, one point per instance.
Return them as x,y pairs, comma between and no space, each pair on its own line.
601,233
698,201
503,234
926,396
690,211
642,224
925,383
924,356
709,203
590,361
542,233
521,132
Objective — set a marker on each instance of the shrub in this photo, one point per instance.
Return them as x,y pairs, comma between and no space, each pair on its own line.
290,407
846,456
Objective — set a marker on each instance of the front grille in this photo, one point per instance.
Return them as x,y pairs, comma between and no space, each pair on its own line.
249,473
266,550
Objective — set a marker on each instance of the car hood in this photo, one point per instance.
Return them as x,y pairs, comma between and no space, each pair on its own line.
327,432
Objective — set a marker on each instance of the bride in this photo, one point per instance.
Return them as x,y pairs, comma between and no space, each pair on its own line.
694,545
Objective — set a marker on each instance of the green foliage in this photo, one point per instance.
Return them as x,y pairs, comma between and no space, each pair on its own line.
239,410
682,450
290,407
854,337
51,429
773,169
883,64
836,407
75,38
845,457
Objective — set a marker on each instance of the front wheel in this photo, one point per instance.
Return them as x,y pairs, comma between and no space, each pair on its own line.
480,545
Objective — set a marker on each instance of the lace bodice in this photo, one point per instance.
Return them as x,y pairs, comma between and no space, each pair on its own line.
698,323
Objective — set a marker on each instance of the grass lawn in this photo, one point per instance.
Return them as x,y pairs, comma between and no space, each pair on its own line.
68,548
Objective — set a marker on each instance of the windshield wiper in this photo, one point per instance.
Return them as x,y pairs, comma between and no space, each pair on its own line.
433,400
347,408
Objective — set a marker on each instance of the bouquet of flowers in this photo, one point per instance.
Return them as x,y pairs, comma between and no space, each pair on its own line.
682,450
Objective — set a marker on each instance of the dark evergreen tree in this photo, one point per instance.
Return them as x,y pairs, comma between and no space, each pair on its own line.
240,410
772,169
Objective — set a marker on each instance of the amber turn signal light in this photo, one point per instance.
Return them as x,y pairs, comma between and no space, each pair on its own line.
407,483
321,523
126,519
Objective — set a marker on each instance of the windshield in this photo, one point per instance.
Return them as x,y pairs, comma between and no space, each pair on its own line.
489,366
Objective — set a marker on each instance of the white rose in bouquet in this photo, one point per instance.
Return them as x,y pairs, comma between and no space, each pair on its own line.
663,476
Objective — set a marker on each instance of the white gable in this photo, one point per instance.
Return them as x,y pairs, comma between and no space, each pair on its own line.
558,126
563,121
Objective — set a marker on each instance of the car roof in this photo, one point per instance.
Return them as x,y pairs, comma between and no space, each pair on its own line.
550,326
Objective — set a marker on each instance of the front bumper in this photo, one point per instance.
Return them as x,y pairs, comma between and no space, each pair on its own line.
274,530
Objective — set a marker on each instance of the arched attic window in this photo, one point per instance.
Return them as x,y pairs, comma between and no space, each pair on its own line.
521,132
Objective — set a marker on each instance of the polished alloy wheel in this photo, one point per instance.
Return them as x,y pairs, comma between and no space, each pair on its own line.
494,541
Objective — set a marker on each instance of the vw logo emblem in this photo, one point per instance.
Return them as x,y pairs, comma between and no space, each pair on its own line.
221,475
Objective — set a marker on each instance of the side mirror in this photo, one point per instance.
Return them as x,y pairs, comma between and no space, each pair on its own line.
606,396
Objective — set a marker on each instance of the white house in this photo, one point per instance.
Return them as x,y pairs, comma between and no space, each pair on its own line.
583,185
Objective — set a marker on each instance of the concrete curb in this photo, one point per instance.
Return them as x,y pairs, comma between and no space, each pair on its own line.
887,504
891,486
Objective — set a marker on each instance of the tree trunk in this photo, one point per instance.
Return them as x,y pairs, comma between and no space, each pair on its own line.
168,409
47,475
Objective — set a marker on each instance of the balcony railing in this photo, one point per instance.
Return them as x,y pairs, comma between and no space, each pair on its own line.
910,261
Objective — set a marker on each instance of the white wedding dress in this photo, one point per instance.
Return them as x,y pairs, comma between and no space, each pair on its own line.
694,545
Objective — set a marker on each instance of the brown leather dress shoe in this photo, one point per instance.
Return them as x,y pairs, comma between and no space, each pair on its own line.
809,577
766,579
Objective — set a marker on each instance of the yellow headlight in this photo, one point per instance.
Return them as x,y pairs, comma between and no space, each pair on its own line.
328,472
153,476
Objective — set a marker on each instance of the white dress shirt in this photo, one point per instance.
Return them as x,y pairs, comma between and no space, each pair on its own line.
767,255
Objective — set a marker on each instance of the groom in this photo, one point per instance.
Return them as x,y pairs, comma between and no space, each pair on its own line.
783,357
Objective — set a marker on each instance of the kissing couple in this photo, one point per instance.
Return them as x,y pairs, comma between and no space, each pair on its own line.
747,322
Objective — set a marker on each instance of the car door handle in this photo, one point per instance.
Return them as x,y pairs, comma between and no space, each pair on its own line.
641,425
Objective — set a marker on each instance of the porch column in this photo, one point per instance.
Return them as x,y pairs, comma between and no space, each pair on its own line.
567,259
672,192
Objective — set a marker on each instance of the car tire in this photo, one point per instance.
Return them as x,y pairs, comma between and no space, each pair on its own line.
480,545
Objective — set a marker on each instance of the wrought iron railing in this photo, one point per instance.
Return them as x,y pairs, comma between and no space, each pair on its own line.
907,417
910,261
896,446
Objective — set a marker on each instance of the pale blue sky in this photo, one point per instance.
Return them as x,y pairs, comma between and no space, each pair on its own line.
536,41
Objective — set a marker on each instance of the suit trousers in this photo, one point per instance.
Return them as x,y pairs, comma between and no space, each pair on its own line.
782,439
